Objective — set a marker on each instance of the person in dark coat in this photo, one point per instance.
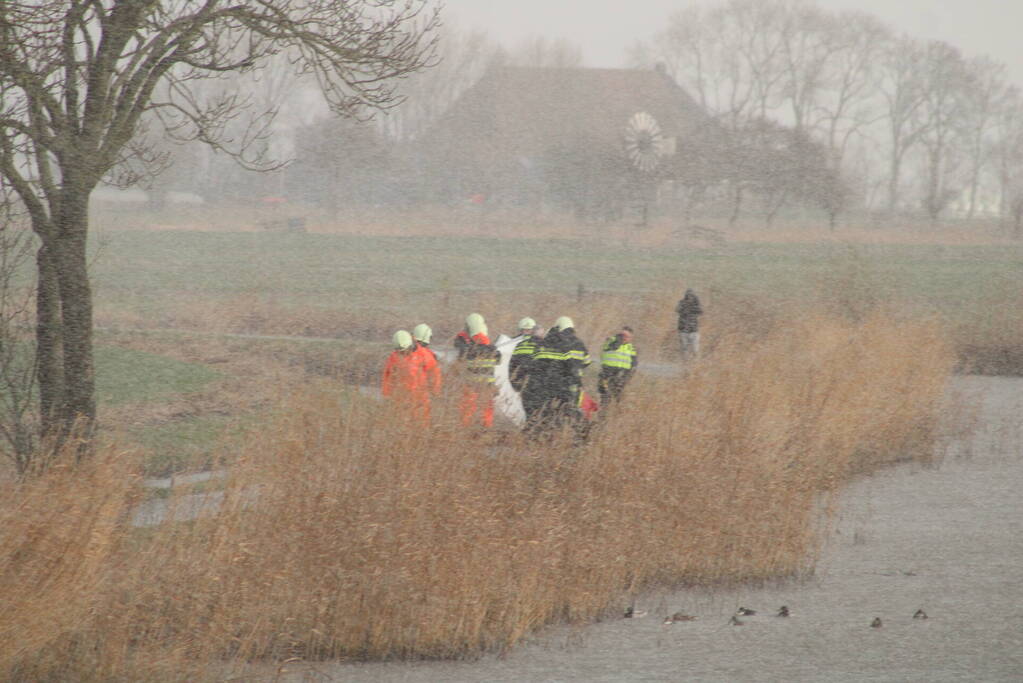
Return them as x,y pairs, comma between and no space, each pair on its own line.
554,382
689,312
521,362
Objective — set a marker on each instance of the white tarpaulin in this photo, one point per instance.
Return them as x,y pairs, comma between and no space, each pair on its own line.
508,401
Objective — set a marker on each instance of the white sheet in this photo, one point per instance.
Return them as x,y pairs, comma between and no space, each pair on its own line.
508,401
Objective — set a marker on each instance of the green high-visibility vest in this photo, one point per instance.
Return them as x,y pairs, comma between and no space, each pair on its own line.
621,357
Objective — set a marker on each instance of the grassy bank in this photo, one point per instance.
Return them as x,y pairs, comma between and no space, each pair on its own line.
363,287
344,532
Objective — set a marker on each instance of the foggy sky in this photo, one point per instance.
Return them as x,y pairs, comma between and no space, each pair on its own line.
605,28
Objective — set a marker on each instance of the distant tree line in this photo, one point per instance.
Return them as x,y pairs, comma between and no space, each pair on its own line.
829,108
913,126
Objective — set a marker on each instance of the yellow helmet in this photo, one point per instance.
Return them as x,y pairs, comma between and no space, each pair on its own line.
422,333
402,340
563,323
475,324
527,324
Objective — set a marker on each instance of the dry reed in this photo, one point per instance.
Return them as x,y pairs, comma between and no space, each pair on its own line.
347,531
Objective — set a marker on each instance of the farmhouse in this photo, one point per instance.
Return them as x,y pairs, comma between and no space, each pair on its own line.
593,141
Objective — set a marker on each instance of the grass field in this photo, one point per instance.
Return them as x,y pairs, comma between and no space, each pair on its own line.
189,289
347,532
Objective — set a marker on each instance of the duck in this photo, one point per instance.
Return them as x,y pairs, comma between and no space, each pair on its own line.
735,621
681,616
668,621
783,611
876,623
633,613
745,612
920,614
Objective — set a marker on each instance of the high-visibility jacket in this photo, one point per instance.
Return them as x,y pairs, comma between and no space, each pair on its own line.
617,355
403,373
430,367
478,356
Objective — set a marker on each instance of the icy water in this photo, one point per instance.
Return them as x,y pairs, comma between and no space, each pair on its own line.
947,539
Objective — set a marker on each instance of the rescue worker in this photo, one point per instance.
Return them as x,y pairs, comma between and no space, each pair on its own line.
525,347
520,363
421,335
554,381
477,358
404,381
618,363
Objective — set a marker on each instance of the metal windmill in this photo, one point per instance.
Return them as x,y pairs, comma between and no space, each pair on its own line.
645,147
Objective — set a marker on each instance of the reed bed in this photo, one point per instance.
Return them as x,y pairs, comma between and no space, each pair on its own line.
346,530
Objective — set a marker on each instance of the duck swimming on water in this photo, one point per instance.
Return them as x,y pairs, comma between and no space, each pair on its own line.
783,611
745,612
876,623
920,614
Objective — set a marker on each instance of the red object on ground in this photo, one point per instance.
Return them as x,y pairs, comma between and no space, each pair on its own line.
589,407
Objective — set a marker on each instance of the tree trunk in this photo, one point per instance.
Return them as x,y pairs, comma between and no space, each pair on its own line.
49,350
895,170
78,408
64,325
736,206
974,183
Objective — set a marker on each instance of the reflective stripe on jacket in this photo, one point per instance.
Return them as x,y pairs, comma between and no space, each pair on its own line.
617,356
478,355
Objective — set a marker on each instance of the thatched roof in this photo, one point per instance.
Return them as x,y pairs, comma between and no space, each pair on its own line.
523,116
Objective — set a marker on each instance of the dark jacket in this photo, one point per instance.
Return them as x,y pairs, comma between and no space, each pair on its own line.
689,311
477,355
521,360
556,370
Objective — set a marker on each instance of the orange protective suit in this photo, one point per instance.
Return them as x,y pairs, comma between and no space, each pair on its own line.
405,383
477,356
431,368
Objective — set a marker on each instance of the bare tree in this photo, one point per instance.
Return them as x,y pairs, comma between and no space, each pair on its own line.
1007,152
338,163
807,53
18,420
464,57
848,102
986,91
941,116
903,94
549,52
77,78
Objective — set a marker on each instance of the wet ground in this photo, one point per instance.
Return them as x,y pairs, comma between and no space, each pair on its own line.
947,539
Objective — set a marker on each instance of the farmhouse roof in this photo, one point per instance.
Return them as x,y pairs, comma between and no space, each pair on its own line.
527,112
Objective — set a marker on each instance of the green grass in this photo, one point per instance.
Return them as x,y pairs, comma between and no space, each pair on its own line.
182,444
128,376
145,270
